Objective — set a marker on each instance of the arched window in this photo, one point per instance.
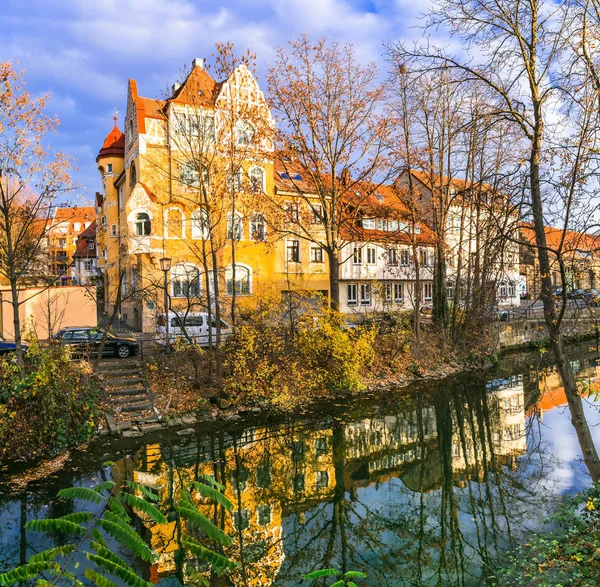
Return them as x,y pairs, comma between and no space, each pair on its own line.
235,179
132,175
174,223
235,226
238,281
200,225
142,224
244,133
256,179
258,227
185,281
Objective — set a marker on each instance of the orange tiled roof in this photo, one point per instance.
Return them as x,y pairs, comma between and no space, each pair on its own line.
199,89
573,240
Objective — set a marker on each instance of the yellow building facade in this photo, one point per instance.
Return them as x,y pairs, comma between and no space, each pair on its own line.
192,180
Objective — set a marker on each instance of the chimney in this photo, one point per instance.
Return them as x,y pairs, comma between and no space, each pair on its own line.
198,62
174,88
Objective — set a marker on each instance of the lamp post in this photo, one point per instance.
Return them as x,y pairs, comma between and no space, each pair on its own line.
165,267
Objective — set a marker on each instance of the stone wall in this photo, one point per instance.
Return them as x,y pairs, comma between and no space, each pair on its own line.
526,332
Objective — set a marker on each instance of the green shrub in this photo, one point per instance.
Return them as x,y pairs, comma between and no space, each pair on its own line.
52,407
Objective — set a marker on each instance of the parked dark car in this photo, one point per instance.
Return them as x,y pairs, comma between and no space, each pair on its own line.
495,313
576,294
86,342
592,297
10,347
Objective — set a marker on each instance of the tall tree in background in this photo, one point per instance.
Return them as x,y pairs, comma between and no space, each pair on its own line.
332,132
518,50
31,178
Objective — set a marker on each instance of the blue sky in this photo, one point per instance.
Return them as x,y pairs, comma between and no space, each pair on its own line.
83,51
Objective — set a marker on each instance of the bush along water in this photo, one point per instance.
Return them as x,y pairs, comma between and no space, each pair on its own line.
49,407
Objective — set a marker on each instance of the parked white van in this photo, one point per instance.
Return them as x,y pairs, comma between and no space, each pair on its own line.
192,326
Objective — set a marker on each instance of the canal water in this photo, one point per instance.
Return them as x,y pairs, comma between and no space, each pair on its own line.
428,486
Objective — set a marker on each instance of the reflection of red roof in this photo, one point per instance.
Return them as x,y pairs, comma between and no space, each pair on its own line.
114,144
83,248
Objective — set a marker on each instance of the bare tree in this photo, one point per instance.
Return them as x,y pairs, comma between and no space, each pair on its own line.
518,51
332,135
31,178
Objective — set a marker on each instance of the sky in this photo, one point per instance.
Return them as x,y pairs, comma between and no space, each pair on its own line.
83,52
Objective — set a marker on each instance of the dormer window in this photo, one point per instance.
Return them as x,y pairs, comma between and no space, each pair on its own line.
142,224
368,223
109,168
244,133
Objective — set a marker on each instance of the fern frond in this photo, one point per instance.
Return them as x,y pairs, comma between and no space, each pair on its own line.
200,521
355,575
83,493
340,583
98,579
127,538
212,481
143,490
116,507
124,573
321,573
78,517
138,503
55,525
50,554
26,572
212,493
219,563
104,486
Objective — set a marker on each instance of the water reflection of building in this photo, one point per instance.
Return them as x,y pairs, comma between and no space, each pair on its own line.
271,473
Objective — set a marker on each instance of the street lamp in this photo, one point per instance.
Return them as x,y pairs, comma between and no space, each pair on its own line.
165,267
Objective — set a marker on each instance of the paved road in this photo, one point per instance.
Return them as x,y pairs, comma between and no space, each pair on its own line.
535,309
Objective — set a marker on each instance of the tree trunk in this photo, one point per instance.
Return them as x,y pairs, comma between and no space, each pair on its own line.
16,321
334,279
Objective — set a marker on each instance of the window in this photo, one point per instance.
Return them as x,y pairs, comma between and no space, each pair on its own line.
88,265
238,281
263,477
503,289
427,292
103,220
298,450
142,224
317,213
322,480
241,519
113,230
352,294
62,243
91,245
290,210
77,227
132,175
392,257
256,178
293,251
450,290
404,258
392,226
174,223
382,224
371,255
188,175
185,281
200,225
239,478
244,133
387,292
299,482
235,226
398,292
423,258
368,223
109,168
365,294
316,254
258,227
264,515
511,289
235,179
357,257
320,446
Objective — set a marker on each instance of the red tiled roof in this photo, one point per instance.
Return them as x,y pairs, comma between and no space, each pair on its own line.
198,89
72,215
114,144
573,240
83,249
